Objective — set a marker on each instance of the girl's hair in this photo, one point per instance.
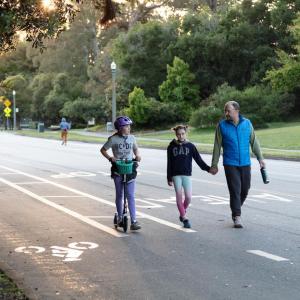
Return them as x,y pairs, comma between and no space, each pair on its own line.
177,127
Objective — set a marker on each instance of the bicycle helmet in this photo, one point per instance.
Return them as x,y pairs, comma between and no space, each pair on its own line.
122,121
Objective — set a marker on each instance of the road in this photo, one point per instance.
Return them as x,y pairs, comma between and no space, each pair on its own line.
57,239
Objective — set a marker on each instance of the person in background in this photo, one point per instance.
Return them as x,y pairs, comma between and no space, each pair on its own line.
64,127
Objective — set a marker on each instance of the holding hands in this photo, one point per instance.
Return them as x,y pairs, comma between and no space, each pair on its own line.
213,170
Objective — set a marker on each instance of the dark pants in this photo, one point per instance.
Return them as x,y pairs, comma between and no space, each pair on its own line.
238,182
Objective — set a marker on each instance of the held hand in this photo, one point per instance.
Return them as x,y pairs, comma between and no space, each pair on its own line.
170,183
262,164
213,170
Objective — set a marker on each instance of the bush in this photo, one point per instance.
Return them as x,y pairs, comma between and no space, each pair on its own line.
206,116
148,112
259,103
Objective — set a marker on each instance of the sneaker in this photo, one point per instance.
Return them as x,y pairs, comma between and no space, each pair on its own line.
181,218
237,222
186,223
135,226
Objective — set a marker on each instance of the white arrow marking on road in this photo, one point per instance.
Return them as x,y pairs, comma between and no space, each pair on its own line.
267,255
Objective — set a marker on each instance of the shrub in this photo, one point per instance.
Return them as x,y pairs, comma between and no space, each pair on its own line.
206,116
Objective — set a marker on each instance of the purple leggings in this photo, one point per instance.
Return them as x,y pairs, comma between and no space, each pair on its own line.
130,197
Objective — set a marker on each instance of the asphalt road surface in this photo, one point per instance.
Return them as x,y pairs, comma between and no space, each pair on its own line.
57,239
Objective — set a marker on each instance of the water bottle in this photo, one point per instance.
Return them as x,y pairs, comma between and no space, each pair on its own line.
264,175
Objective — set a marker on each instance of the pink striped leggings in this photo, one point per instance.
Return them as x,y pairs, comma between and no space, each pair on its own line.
182,184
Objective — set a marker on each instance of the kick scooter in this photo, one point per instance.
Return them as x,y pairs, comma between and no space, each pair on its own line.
124,168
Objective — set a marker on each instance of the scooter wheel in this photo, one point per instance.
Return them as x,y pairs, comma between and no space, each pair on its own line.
116,221
125,223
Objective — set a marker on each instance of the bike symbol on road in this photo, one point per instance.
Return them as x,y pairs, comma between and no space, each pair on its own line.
70,253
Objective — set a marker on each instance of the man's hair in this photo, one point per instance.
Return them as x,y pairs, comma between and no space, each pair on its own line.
235,105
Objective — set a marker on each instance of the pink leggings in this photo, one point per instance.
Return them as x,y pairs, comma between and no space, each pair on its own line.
182,183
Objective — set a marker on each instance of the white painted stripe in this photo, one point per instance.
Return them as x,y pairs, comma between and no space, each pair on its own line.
150,204
70,196
100,217
29,182
7,173
164,222
254,200
65,210
155,219
267,255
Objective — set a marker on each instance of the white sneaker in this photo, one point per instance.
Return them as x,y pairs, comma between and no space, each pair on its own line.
237,222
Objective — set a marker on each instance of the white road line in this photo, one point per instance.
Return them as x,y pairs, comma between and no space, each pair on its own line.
267,255
221,184
155,219
65,210
254,200
70,196
29,182
7,173
167,223
100,217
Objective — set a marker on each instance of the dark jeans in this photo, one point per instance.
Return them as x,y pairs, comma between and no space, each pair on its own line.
238,182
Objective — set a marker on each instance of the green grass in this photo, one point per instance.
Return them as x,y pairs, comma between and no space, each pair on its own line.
287,137
279,140
277,136
8,290
56,136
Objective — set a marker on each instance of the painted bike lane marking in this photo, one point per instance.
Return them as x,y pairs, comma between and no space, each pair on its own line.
79,216
64,210
69,254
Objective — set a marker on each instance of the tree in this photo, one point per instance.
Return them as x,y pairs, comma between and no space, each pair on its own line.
179,88
148,112
40,22
142,55
40,86
20,84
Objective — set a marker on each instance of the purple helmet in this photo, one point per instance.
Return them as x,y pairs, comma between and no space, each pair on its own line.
122,121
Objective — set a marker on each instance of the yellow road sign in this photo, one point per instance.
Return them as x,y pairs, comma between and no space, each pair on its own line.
7,103
7,115
7,110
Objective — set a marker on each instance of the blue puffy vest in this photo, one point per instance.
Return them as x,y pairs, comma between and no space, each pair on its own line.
236,142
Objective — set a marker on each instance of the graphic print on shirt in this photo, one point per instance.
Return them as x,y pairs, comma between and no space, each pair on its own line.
181,151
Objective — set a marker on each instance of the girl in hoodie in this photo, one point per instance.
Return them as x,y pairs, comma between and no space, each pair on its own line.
179,169
64,127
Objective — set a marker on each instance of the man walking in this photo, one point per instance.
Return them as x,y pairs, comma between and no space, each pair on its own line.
235,134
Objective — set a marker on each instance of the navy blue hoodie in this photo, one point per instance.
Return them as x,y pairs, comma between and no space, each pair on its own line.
180,157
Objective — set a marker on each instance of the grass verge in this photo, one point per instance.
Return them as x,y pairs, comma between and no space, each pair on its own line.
8,290
276,142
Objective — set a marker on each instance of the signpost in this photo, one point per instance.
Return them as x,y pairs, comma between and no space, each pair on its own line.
7,111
